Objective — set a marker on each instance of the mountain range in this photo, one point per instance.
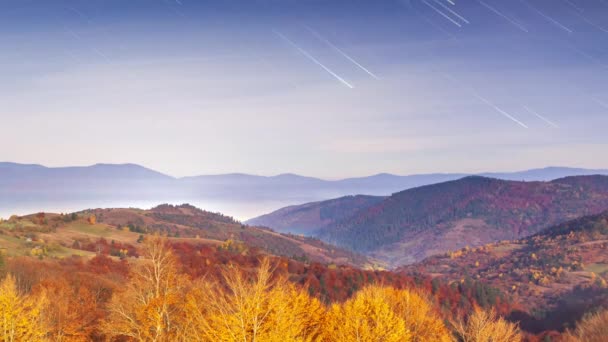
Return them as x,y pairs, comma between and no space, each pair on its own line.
411,225
24,187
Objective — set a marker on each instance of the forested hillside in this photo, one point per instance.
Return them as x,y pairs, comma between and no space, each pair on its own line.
180,291
416,223
558,275
309,218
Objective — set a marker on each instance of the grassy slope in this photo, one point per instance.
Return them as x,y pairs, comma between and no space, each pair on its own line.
56,234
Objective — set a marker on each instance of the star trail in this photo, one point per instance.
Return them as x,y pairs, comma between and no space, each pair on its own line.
204,81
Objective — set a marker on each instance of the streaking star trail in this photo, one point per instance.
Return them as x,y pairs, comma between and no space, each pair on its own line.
313,59
442,14
573,5
599,102
504,16
268,86
585,19
337,49
476,94
587,55
533,112
451,11
553,21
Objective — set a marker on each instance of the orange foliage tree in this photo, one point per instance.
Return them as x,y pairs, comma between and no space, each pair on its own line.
74,313
149,307
257,308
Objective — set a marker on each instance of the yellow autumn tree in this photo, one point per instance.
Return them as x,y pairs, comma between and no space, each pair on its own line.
296,316
417,312
243,308
149,308
593,328
21,317
486,326
367,317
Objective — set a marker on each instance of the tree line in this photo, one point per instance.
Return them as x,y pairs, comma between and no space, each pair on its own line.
159,302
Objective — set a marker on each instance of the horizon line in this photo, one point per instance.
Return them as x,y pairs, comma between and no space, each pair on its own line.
328,179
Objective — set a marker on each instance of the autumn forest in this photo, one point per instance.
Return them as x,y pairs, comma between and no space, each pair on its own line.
154,299
176,291
179,273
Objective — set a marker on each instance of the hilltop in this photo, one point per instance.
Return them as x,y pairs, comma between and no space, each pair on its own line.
85,232
309,218
414,224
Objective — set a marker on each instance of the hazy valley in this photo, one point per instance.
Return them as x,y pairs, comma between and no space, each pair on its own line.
28,188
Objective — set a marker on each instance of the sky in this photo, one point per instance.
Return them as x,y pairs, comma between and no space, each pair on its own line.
322,88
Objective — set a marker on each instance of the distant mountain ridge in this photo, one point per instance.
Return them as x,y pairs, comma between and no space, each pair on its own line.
36,172
281,219
413,224
309,218
32,186
544,174
134,170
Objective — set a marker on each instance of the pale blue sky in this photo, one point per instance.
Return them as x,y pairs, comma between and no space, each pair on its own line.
203,87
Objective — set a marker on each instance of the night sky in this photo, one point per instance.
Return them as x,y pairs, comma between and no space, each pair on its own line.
322,88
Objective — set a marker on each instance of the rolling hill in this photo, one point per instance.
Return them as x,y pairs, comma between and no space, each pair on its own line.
308,218
414,224
83,232
557,274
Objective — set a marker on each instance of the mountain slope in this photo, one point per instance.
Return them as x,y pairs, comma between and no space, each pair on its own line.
561,271
67,234
413,224
308,218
